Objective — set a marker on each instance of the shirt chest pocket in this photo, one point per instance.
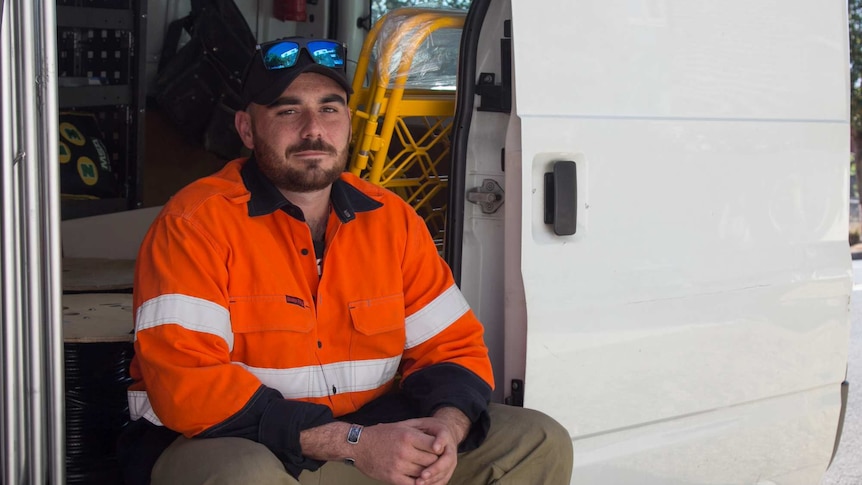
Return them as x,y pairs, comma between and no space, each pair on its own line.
379,323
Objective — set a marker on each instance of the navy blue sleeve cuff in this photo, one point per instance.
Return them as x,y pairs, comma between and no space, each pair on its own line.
451,385
280,426
275,422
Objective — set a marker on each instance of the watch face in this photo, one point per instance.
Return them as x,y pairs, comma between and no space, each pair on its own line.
353,434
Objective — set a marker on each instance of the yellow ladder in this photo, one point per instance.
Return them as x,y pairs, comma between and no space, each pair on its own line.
417,167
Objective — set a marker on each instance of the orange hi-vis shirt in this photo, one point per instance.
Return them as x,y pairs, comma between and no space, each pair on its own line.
228,302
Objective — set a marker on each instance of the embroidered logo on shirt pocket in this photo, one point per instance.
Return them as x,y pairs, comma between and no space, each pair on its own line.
267,313
377,315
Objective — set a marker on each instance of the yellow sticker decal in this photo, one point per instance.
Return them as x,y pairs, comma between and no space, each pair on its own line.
70,133
65,153
88,171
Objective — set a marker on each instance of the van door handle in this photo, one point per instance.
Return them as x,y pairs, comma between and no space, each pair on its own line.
561,198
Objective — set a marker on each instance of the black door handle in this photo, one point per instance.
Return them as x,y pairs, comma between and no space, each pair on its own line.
561,198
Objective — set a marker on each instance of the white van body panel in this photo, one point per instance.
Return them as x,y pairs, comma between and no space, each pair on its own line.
683,59
695,328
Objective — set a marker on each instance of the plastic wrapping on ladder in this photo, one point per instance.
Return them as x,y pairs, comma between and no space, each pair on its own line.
402,117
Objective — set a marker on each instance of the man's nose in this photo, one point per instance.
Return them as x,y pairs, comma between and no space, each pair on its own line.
311,125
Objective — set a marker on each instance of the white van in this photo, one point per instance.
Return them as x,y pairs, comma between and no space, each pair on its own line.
675,293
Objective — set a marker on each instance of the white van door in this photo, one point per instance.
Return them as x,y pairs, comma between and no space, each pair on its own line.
676,291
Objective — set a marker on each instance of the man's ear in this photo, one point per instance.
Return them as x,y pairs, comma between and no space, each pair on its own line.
242,122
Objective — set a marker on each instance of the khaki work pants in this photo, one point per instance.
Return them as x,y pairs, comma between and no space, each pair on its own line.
523,447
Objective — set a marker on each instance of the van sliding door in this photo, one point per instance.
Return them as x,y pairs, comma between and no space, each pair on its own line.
668,273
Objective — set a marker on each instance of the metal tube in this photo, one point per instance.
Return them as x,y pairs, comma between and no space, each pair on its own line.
32,423
51,250
13,460
31,264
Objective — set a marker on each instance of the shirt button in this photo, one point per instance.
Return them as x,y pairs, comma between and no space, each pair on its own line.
304,252
319,344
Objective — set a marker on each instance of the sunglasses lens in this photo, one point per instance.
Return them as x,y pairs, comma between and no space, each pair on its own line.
327,53
280,55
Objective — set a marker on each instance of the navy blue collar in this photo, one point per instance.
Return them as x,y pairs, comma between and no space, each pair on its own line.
265,199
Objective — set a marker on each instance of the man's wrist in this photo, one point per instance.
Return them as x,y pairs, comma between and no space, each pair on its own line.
456,420
327,442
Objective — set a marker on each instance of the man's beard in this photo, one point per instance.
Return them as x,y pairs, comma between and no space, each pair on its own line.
308,175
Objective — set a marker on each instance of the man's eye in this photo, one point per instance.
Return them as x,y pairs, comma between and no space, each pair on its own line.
288,111
329,109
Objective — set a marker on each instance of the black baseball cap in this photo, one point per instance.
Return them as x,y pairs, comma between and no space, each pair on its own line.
263,85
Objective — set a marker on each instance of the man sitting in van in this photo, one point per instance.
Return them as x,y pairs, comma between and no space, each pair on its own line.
273,346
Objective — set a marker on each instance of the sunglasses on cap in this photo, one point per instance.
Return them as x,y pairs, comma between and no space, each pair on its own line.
281,54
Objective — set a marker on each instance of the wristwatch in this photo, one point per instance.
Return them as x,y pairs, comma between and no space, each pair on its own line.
353,438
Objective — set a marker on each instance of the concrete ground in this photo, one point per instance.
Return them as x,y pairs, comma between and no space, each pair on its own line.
846,468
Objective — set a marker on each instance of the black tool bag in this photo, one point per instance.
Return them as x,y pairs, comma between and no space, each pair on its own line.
205,73
85,161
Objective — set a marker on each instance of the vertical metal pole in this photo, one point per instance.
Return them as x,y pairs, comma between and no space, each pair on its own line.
49,235
138,80
28,117
6,155
32,423
13,439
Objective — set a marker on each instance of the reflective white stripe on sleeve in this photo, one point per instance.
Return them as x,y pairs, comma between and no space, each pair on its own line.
140,407
188,312
435,317
325,380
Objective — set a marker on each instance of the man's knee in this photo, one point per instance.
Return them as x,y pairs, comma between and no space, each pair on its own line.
523,446
533,428
219,461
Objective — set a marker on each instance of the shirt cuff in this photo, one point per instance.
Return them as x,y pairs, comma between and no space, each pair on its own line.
450,385
279,430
